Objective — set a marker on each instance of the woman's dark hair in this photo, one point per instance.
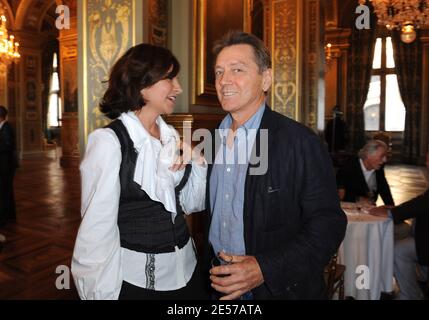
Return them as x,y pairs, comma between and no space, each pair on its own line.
140,67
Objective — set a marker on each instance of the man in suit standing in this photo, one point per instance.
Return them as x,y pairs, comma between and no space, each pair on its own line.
362,178
413,249
336,132
274,224
8,163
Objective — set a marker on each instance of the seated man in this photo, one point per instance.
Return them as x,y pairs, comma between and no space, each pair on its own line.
362,178
413,249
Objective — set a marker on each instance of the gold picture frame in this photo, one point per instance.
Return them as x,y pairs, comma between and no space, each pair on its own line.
211,24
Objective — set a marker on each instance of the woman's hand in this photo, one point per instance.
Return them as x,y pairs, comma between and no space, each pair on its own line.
188,154
185,154
179,162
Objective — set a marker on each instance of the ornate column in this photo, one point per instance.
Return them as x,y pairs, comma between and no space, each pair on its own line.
106,29
69,83
29,103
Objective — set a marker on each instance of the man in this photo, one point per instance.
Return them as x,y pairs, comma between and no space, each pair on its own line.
362,178
336,132
413,249
7,169
277,229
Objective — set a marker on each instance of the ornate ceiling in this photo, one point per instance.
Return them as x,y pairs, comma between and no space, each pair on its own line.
32,15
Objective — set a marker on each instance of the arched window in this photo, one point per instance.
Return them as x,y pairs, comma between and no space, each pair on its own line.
54,109
384,109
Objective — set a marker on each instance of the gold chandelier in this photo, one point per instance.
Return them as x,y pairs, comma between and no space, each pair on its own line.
404,15
9,49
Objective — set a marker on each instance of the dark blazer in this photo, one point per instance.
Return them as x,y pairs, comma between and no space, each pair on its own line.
350,177
8,159
293,222
417,208
8,164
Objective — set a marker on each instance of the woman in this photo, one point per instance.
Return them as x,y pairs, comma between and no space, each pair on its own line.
133,242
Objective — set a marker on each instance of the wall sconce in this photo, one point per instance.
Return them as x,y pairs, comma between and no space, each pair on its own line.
328,56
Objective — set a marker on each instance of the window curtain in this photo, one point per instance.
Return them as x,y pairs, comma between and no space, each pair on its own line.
408,60
359,69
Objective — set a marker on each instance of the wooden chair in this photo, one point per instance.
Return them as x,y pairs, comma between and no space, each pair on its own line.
334,277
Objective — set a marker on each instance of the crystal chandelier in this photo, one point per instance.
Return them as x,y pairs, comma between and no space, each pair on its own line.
8,47
404,15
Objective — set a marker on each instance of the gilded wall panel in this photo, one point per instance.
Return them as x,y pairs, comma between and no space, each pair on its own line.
285,50
108,32
106,29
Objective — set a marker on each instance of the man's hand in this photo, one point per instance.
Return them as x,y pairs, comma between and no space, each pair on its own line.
240,276
379,211
365,202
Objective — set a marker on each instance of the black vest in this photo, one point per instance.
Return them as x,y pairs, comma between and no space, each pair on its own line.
144,224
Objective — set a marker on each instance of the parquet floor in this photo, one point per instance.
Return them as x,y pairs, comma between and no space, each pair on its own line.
48,202
406,181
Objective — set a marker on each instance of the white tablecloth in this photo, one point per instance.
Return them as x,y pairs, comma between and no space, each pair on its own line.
367,250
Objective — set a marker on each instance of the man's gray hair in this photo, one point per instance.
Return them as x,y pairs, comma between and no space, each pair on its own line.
371,147
261,52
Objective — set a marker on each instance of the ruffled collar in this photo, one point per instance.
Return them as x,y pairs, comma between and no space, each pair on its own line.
153,160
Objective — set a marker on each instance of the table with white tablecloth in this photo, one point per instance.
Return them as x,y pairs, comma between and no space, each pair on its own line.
367,253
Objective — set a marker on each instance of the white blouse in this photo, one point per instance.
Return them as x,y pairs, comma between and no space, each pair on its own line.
99,263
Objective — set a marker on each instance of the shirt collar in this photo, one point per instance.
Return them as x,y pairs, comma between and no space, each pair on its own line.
253,123
2,123
151,171
364,169
139,134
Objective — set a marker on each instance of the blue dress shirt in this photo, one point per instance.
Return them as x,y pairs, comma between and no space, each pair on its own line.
227,183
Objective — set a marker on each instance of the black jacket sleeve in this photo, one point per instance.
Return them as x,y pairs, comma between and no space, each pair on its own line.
7,139
412,208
